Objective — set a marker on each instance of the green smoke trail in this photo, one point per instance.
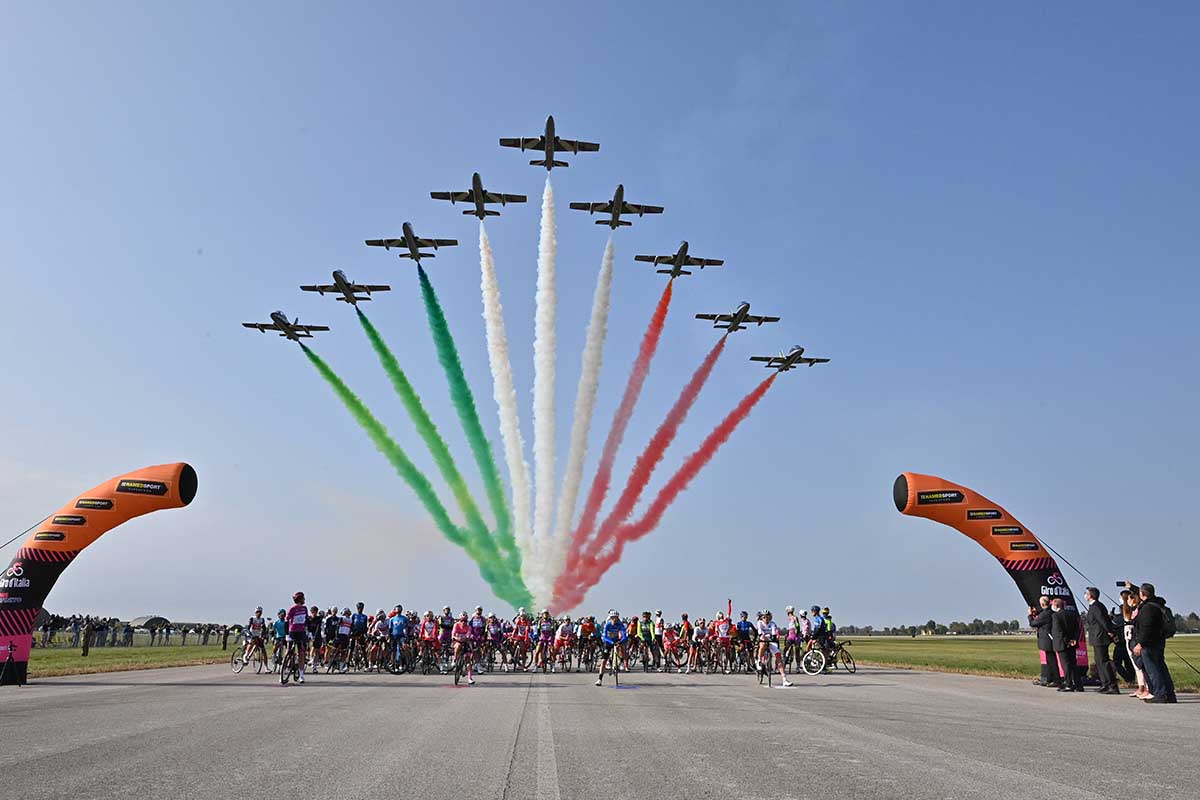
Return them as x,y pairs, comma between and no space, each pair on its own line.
437,446
414,478
464,404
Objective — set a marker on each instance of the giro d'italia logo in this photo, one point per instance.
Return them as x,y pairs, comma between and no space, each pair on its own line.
1056,580
14,571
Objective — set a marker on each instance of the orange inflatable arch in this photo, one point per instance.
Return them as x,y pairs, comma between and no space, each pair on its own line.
56,542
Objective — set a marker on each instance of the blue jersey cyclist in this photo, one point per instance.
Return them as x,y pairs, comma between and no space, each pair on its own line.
612,636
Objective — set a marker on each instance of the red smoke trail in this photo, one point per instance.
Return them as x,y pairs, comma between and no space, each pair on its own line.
637,377
649,460
591,570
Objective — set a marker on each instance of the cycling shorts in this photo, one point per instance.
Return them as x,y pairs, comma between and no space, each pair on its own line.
300,637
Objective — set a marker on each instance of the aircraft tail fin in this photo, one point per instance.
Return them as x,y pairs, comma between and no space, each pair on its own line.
541,162
671,271
404,255
487,212
620,222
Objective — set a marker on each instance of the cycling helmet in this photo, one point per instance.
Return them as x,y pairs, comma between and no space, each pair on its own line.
446,609
359,606
567,618
825,610
744,614
315,610
491,616
462,615
258,609
789,610
658,612
379,613
766,613
298,597
281,613
804,613
521,611
815,609
345,611
478,609
613,614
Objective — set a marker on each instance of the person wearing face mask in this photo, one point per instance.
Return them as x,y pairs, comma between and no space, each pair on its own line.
1064,631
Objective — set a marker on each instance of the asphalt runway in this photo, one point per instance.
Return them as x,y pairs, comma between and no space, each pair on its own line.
205,732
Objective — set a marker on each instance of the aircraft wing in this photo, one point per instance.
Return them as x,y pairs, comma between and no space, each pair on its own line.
705,262
262,327
310,328
500,197
570,145
715,317
760,320
527,143
770,361
654,259
811,361
386,243
319,288
368,287
605,207
634,208
435,242
456,197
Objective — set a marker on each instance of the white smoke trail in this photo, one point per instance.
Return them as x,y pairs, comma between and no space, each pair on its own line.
585,404
544,347
506,403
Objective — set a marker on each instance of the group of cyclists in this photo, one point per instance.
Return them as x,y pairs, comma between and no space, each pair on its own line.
309,639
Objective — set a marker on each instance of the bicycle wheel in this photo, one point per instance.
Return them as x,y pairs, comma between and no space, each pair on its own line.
259,659
847,661
236,663
458,669
285,669
813,662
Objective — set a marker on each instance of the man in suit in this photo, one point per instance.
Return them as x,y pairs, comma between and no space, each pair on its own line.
1100,632
1039,620
1064,635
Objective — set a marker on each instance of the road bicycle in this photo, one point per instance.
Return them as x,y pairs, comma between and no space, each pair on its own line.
813,661
289,668
460,661
258,657
840,656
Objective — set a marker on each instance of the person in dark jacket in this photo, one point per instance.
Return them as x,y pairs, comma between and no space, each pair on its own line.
1151,642
1064,635
1101,633
1039,620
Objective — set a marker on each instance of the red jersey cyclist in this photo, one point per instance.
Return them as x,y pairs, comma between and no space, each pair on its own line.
460,635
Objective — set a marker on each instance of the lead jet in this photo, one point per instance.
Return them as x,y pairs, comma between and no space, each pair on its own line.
412,243
290,330
680,260
479,196
736,321
615,208
348,288
790,360
549,143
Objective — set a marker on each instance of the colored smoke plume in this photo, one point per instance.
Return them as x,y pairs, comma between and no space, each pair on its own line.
544,351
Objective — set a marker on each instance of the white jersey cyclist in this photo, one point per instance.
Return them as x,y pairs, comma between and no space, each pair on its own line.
771,631
256,627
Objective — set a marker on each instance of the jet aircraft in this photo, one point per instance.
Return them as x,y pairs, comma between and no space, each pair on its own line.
479,196
680,260
790,360
615,208
290,330
348,289
413,243
737,320
549,144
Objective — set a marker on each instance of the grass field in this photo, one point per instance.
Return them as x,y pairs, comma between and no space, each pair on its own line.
48,663
1004,656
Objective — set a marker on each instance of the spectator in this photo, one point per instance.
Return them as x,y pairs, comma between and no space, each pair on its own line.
1101,632
89,630
112,642
1133,602
1121,658
128,635
75,628
1039,620
1150,635
184,634
224,637
1064,635
204,633
167,634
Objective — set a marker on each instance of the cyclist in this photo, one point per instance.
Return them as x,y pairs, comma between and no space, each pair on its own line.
316,630
460,635
478,624
723,629
495,640
805,626
564,637
397,634
255,629
820,630
297,631
381,630
768,642
279,630
645,632
519,637
660,625
587,636
613,635
746,632
427,632
445,625
331,631
545,638
830,637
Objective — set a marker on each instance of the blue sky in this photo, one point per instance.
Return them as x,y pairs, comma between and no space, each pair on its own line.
987,217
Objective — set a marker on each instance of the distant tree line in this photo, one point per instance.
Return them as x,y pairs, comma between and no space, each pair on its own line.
980,627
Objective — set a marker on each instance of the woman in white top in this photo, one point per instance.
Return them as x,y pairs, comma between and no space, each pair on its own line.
1129,611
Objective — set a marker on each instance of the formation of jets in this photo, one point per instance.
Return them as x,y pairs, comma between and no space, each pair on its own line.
738,319
680,259
479,197
412,243
348,289
549,145
615,208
